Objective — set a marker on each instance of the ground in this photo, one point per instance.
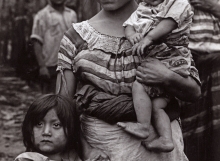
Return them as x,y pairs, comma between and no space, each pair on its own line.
15,97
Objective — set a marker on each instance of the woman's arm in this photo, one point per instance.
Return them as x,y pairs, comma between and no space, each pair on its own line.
154,72
69,80
211,6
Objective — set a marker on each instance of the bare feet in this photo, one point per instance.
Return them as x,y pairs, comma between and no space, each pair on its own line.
137,129
161,145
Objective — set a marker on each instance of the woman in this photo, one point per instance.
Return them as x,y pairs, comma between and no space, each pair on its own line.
106,63
201,120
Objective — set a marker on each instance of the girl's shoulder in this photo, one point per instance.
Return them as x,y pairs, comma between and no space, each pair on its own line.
31,156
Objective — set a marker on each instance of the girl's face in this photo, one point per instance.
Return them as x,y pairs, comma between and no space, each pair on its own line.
153,2
111,5
49,137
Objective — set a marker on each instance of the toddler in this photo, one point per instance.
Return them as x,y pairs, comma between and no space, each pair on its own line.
158,29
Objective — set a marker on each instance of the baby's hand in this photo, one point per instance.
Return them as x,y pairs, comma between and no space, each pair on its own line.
135,38
140,47
97,155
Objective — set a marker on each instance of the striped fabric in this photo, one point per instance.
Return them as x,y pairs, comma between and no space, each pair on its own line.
201,120
205,32
105,64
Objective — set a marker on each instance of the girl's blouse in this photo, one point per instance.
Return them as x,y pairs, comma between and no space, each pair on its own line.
33,156
107,64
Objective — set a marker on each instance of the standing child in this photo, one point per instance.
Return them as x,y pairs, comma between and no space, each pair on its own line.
158,29
49,25
50,130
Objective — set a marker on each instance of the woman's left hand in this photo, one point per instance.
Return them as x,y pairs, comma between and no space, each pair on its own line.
152,72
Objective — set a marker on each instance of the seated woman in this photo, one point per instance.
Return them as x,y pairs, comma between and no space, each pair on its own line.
201,120
100,60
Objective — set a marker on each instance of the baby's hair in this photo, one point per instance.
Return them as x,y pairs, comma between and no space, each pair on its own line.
66,112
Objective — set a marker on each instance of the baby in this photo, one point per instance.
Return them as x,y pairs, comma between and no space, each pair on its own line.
158,29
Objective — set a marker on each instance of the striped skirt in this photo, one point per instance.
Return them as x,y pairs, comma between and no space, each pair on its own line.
201,120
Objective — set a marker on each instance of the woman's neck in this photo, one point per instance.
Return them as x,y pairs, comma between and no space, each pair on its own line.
122,13
110,22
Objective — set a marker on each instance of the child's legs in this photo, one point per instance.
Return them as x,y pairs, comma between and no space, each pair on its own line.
142,103
161,120
143,107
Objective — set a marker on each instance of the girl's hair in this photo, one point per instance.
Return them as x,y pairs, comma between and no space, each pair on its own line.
66,112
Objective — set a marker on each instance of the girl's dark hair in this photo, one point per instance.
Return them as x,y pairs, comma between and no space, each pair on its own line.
66,112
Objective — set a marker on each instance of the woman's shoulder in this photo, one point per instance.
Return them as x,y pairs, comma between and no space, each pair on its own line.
85,32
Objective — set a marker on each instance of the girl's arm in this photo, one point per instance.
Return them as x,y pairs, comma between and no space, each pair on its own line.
154,72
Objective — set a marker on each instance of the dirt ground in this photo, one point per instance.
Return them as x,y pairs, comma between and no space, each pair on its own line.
15,97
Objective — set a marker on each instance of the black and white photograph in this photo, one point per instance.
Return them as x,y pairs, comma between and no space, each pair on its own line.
109,80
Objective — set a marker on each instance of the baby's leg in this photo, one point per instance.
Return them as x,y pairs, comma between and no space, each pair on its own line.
142,105
161,122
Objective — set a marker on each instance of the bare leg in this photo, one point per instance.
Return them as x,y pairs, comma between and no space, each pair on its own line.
142,105
162,124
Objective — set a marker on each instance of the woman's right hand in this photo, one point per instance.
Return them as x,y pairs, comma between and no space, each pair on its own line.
152,72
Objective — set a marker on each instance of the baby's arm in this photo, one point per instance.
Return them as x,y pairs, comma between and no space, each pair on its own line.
132,35
162,29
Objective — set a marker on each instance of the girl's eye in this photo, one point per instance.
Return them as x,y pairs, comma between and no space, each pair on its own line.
57,125
39,124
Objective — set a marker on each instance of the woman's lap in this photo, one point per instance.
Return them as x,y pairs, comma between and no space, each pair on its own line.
121,146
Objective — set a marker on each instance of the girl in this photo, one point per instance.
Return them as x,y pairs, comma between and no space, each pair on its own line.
50,130
158,29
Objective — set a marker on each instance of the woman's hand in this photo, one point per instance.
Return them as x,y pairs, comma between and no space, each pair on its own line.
152,72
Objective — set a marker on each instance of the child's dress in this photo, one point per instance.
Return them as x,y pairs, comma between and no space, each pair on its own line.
171,50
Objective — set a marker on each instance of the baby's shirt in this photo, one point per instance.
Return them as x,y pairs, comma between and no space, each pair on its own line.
146,17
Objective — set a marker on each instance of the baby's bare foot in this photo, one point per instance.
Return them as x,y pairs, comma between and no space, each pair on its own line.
160,145
137,129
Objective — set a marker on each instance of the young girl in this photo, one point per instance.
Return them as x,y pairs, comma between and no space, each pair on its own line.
50,130
158,29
